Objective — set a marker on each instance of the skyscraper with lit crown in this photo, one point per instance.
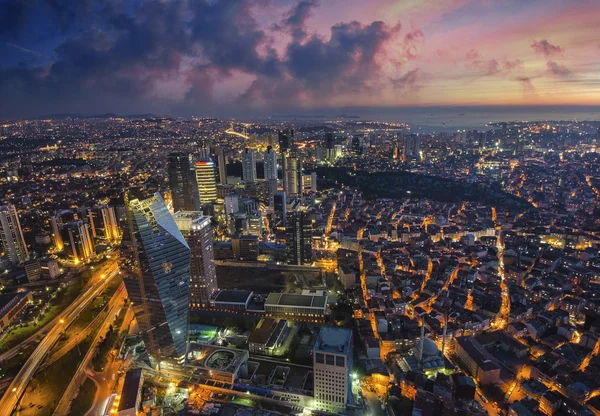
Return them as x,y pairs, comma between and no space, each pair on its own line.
205,178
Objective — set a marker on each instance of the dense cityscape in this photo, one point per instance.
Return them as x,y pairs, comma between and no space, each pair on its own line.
208,266
299,207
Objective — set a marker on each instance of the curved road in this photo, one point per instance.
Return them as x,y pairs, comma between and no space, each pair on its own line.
20,382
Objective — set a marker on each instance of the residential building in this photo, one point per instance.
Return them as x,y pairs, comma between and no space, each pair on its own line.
249,165
11,235
270,160
299,238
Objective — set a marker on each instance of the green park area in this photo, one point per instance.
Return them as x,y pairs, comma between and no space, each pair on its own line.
107,344
85,399
63,298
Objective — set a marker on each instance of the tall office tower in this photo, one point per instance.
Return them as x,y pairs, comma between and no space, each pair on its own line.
232,204
285,140
77,240
412,146
11,235
356,145
198,232
329,142
60,218
180,170
280,207
332,363
292,174
205,178
249,165
221,164
299,238
270,158
313,181
155,265
103,222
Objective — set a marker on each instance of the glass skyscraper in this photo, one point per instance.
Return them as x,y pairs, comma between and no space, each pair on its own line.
155,264
182,181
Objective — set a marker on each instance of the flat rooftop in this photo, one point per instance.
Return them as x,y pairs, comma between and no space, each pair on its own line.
295,300
131,388
334,340
234,296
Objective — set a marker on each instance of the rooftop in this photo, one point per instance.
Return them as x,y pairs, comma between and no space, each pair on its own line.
335,340
234,296
305,301
130,391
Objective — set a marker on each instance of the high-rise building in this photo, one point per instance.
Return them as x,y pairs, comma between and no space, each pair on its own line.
299,237
332,363
11,235
245,247
198,232
292,174
329,141
205,178
412,146
103,223
232,204
356,145
285,140
180,171
222,165
155,265
78,245
60,218
280,207
249,165
270,159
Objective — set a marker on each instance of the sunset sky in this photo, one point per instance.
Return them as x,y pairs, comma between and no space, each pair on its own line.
223,57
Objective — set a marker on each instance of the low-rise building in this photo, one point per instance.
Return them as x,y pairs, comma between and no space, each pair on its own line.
132,393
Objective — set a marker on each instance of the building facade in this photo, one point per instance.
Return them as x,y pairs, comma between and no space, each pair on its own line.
155,265
332,362
198,231
249,165
270,159
103,223
205,179
299,238
78,245
11,235
180,171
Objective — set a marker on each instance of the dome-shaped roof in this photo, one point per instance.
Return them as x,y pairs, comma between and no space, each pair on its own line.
429,348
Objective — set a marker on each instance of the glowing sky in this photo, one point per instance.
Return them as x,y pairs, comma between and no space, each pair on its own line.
217,57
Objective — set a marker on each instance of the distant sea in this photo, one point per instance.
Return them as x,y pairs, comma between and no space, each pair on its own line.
449,119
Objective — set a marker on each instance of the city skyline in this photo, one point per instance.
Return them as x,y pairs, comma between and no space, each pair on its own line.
248,59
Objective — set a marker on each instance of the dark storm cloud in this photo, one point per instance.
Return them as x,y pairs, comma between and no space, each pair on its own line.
114,56
295,20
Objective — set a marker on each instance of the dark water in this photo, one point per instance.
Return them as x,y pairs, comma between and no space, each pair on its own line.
428,120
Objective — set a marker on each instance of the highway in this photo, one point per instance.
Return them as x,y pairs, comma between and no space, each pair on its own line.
65,402
38,334
16,389
81,335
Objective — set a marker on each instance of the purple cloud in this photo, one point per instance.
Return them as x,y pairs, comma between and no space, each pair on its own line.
545,48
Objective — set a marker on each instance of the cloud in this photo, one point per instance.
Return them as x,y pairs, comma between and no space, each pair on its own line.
545,48
556,70
474,59
529,90
412,41
295,20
